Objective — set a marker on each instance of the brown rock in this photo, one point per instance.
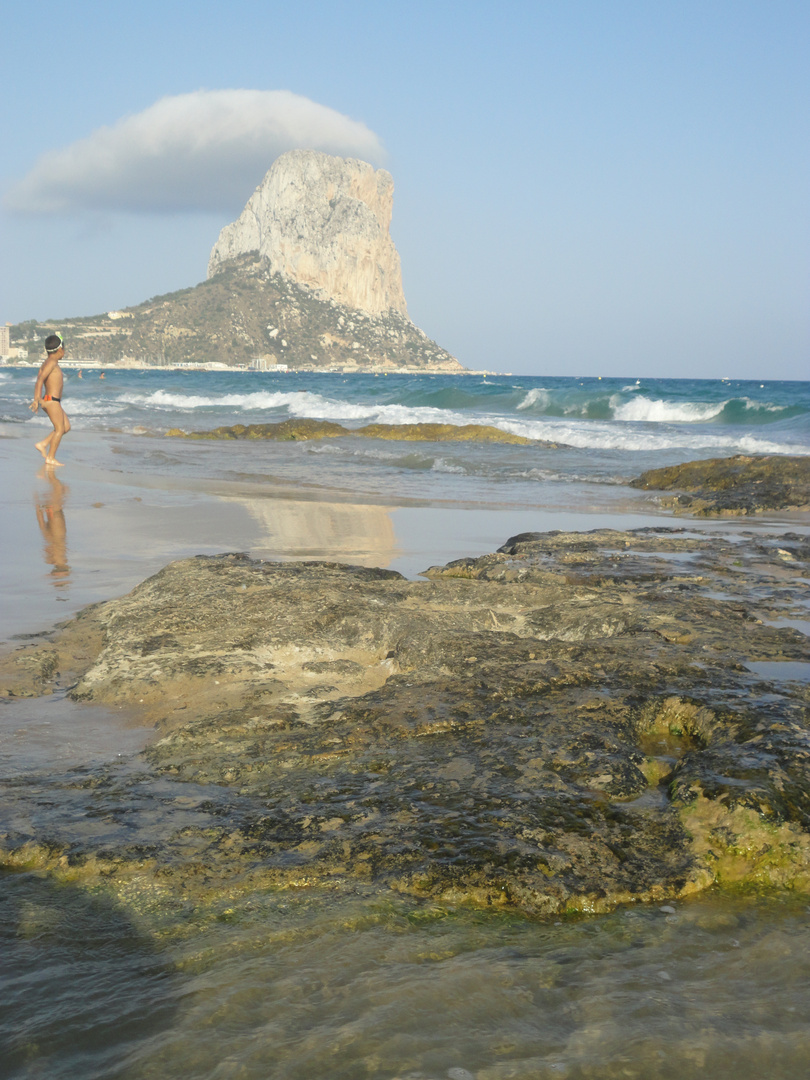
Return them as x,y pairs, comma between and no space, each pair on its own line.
734,486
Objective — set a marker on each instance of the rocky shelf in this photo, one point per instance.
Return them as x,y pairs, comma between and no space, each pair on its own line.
733,486
295,430
573,722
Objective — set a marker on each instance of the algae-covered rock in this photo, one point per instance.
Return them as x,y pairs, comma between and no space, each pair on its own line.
567,723
444,433
735,485
285,431
288,430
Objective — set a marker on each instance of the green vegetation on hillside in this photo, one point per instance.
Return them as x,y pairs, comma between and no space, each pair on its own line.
241,314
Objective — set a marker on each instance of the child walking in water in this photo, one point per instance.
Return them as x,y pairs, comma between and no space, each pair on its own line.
51,380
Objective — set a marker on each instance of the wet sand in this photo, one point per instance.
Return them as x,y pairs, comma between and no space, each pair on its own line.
305,984
82,534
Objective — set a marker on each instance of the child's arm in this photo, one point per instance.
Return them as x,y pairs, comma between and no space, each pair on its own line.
45,369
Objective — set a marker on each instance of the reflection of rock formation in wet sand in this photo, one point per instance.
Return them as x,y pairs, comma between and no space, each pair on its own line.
363,535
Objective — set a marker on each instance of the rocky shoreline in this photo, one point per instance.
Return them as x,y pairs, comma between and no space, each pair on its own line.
576,721
305,429
718,487
733,486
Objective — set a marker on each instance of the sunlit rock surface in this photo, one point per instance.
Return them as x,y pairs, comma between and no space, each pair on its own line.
733,486
307,277
304,429
322,222
570,723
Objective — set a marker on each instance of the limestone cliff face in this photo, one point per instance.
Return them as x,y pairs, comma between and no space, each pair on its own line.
322,222
307,277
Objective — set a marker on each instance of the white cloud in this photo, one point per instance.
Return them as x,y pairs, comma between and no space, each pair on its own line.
204,151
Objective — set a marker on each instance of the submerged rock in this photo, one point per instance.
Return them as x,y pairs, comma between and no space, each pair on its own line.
565,724
733,486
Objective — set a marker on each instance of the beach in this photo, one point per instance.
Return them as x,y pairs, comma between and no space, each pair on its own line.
285,981
132,499
119,528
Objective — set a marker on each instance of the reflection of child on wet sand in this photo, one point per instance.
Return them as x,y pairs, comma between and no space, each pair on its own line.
51,380
51,520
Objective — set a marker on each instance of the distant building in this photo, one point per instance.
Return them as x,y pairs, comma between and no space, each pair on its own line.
261,363
5,340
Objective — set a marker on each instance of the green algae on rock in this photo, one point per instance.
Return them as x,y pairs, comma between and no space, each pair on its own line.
291,430
733,486
565,724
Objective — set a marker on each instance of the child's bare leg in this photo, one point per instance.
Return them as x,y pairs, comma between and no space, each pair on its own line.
61,425
56,438
42,445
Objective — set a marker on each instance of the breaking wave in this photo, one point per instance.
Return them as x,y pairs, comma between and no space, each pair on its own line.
664,412
299,404
641,408
603,429
602,436
538,397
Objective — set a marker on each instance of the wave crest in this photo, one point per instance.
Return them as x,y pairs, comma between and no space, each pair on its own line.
536,397
655,410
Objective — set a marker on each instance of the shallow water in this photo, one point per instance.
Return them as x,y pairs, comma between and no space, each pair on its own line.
605,430
780,670
802,625
288,987
304,984
356,984
55,732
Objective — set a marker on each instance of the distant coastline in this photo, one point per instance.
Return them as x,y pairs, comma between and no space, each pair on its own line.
215,365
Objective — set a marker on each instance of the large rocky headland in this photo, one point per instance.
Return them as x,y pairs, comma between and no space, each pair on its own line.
575,721
307,276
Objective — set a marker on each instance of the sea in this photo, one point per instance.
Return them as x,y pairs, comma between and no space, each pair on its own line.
314,986
604,430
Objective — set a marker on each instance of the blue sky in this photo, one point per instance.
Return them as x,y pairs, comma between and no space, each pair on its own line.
591,188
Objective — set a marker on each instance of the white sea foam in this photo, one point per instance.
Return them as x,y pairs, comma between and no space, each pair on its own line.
260,400
666,412
302,404
537,396
580,478
338,448
298,404
92,407
762,406
584,434
687,412
601,435
390,414
537,474
442,465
